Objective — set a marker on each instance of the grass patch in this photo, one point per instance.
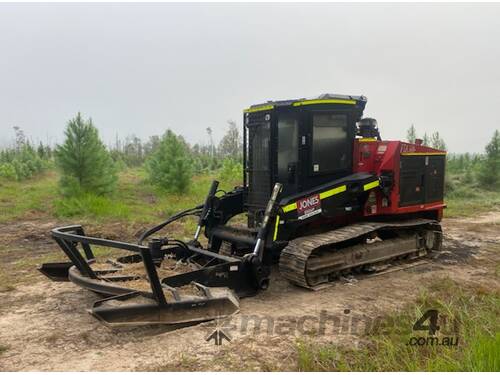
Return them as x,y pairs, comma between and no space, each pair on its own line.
463,207
21,198
137,201
469,200
134,201
474,308
91,206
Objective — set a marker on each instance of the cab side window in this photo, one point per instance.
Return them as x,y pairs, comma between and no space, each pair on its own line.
330,148
288,150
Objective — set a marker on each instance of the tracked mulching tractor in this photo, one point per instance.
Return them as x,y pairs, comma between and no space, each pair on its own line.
323,196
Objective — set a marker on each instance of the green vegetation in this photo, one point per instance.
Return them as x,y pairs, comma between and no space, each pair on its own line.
169,167
22,161
472,181
231,171
31,197
489,172
85,164
411,134
134,200
470,200
171,163
473,307
96,185
204,158
90,205
481,172
230,146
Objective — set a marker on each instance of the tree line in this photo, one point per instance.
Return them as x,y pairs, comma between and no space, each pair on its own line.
88,166
133,152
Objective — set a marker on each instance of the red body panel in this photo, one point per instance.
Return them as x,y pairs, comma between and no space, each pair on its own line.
377,157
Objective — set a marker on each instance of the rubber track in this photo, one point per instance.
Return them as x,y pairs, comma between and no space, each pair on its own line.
294,256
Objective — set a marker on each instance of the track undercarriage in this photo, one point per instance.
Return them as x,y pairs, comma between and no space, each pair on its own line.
312,261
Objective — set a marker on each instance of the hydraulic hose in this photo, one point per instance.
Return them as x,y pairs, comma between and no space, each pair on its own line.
195,211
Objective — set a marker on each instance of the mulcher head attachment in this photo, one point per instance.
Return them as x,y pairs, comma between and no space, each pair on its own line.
141,290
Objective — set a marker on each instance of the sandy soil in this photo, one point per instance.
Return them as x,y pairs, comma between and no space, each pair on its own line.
44,326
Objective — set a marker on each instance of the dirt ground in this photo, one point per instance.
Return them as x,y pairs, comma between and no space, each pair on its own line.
44,326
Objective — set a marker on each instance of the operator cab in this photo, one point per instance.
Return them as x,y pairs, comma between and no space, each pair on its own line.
299,143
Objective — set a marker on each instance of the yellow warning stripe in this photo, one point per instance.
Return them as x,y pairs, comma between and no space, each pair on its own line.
371,185
290,207
257,109
367,139
324,101
331,192
422,153
323,195
302,102
276,227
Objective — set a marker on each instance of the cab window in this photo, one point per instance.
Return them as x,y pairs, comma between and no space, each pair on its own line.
330,148
287,145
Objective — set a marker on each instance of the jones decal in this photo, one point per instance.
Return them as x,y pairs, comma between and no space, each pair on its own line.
309,206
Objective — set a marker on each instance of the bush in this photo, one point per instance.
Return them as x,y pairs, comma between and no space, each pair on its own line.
118,159
204,163
170,167
21,163
232,171
449,184
489,171
8,171
86,166
464,191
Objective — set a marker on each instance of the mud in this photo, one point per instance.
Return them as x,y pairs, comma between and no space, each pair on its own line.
45,327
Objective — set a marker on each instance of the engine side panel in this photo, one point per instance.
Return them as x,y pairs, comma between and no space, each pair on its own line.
412,177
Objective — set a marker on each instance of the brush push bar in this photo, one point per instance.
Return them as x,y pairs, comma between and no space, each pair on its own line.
220,279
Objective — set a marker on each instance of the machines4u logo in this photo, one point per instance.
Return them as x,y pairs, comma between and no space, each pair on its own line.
309,206
432,322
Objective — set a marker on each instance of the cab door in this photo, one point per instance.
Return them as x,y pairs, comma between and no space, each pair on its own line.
329,152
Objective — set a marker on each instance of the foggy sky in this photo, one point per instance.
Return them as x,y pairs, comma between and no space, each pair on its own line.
142,68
